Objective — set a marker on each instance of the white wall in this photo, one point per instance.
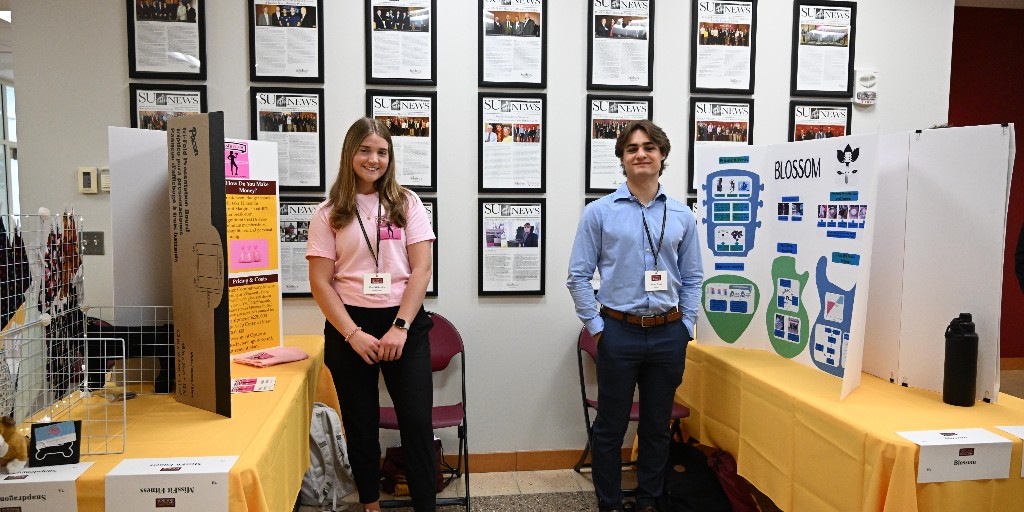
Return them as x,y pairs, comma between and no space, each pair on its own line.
72,82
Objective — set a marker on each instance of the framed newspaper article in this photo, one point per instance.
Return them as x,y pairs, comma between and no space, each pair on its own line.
511,254
286,40
512,142
620,45
166,39
294,119
722,46
430,203
401,42
606,117
824,40
411,117
154,104
719,122
513,43
810,120
296,213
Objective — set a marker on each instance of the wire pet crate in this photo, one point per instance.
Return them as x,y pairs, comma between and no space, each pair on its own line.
147,333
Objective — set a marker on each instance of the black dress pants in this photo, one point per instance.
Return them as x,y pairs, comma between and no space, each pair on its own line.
408,382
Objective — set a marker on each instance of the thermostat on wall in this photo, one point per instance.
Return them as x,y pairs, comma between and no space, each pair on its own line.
87,180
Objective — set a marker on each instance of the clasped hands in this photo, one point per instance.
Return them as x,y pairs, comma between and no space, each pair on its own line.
373,350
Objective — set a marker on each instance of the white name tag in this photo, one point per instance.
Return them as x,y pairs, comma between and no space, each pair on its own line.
655,281
377,284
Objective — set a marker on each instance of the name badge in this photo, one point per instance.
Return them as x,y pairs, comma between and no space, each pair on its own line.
377,284
655,281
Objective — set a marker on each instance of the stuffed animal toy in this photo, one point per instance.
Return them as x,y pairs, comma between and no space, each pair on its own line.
13,447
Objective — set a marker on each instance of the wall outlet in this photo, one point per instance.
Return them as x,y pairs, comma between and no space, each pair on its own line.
92,242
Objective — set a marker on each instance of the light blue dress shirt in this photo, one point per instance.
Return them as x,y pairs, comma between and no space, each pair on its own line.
611,238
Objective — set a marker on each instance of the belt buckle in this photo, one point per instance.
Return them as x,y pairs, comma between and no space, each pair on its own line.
643,320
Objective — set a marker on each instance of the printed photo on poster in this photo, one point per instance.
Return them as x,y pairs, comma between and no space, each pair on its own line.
511,246
620,45
722,46
153,104
512,142
295,216
410,116
286,41
430,203
824,37
512,43
294,119
166,39
401,42
607,116
810,120
719,122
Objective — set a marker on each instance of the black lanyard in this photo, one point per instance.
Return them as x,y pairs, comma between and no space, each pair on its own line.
376,263
664,217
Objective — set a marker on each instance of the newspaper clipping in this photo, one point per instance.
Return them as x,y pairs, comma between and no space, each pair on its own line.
409,118
512,47
620,46
153,107
723,45
512,256
721,122
166,37
430,203
819,122
296,213
512,150
286,38
293,121
400,43
608,117
824,49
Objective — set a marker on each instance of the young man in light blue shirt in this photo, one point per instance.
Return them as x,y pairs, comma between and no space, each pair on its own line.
645,246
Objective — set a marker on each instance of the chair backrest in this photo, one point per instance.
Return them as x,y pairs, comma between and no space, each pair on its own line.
586,343
445,343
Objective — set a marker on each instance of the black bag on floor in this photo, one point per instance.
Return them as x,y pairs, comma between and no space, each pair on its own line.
690,485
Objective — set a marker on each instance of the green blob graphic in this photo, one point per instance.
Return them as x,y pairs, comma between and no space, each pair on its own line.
784,267
726,289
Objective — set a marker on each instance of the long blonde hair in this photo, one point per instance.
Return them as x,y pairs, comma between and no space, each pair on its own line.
342,198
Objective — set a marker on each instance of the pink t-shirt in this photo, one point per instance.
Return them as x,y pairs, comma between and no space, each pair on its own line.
352,259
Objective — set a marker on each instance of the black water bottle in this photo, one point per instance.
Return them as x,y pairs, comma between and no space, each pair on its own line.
960,373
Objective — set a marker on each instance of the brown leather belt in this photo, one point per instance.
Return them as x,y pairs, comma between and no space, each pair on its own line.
672,315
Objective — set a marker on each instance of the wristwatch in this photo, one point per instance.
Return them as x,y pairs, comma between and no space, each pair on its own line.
400,323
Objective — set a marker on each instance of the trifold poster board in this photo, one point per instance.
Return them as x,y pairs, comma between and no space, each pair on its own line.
786,237
41,489
184,483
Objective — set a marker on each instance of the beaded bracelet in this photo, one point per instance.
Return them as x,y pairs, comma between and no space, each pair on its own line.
349,335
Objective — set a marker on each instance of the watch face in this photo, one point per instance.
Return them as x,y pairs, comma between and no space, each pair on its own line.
400,323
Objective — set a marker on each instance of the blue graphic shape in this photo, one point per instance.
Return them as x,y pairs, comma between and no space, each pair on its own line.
850,195
846,258
841,234
831,332
732,201
786,248
730,267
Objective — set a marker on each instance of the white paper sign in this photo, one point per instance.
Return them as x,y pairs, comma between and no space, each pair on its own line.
186,483
963,454
1017,430
42,489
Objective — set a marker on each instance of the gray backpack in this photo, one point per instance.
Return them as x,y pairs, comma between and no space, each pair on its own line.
329,477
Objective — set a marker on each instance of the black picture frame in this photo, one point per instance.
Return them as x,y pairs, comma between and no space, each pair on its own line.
432,201
525,202
591,36
486,31
589,130
372,97
484,97
289,184
307,205
137,90
695,36
253,6
798,8
797,104
370,24
694,134
133,18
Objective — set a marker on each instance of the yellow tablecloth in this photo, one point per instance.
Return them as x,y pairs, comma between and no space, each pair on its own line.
808,451
269,431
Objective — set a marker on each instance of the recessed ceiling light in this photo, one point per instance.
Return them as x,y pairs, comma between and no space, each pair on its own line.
6,16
